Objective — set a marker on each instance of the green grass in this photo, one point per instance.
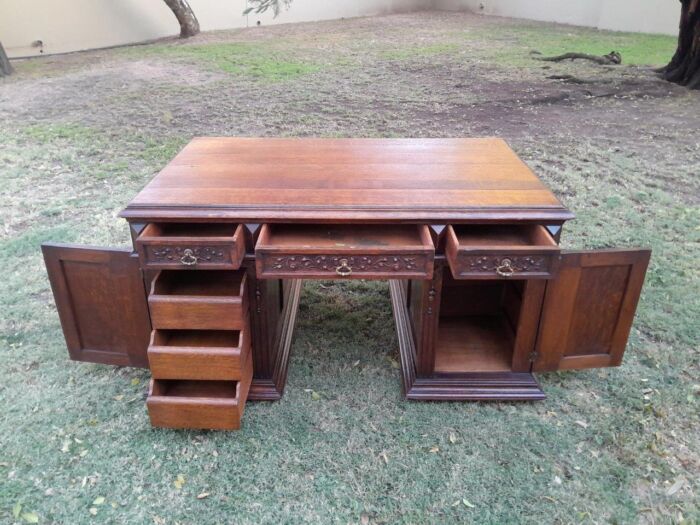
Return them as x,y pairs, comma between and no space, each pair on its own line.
511,44
342,446
259,60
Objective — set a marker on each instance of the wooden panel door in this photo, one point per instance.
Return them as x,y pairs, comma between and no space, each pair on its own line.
101,301
588,309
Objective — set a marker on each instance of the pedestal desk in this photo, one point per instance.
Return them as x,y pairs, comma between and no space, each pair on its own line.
465,233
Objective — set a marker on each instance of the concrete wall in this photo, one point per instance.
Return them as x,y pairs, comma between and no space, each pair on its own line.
644,16
73,25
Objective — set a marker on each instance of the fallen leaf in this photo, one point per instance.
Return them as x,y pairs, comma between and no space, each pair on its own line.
364,519
467,503
16,510
315,395
394,363
179,481
435,450
384,457
202,495
99,500
582,424
135,381
93,511
30,517
453,437
678,485
83,453
557,480
119,397
66,446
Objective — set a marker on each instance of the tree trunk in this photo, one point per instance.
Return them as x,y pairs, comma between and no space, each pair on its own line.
684,68
189,26
5,66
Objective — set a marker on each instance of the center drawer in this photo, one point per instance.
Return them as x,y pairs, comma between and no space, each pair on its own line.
206,300
501,251
348,251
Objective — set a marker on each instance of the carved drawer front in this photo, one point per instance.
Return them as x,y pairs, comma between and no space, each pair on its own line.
190,246
199,354
501,251
199,300
347,251
184,403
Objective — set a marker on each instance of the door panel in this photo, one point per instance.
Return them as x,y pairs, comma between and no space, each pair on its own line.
101,301
588,309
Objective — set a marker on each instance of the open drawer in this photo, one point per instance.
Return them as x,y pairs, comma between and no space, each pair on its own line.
199,354
208,300
507,251
214,405
188,246
349,251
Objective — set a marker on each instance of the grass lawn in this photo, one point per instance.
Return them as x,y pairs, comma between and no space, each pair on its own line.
81,134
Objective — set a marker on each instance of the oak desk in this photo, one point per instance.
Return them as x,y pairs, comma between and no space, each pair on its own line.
466,234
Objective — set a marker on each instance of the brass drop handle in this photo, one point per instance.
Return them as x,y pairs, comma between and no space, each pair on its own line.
505,269
343,270
188,258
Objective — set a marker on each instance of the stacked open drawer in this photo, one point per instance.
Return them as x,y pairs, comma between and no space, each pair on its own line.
200,349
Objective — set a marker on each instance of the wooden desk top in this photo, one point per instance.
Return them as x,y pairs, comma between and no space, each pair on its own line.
361,180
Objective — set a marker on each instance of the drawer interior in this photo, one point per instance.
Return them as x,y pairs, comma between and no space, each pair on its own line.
197,338
207,283
185,388
502,236
188,230
337,238
477,328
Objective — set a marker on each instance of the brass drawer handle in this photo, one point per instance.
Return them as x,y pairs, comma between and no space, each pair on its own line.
505,269
188,258
343,270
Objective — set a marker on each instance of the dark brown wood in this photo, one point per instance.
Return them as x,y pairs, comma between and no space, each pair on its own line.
501,251
312,251
191,246
270,386
199,354
213,405
199,300
588,309
101,301
684,68
424,309
262,180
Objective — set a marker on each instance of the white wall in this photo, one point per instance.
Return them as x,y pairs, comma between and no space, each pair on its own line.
644,16
73,25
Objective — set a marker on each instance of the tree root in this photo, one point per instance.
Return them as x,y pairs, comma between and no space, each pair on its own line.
613,58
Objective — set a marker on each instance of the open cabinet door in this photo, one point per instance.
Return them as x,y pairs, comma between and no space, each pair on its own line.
588,309
101,301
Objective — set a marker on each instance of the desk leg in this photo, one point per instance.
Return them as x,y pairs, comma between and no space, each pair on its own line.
273,308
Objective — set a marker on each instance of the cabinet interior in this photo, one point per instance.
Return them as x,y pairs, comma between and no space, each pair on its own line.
194,388
477,327
174,230
198,283
197,338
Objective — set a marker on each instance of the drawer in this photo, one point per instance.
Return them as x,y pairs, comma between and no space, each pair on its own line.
199,354
212,405
345,251
187,246
206,300
501,251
